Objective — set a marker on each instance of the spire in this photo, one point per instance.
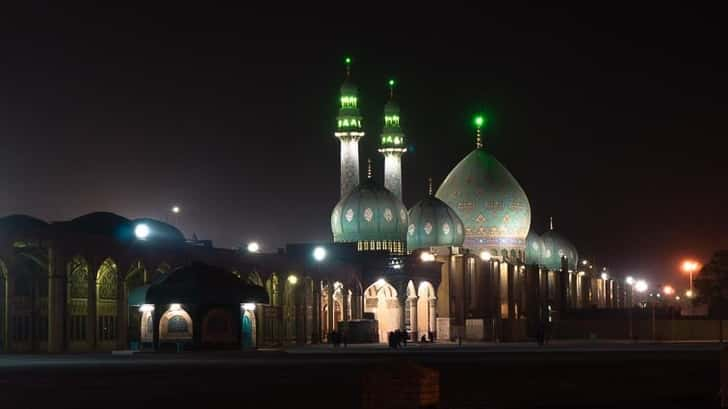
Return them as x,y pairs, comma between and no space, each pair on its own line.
429,186
479,122
551,223
369,168
391,89
349,118
347,61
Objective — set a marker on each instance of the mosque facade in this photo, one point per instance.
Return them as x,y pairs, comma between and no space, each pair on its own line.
462,263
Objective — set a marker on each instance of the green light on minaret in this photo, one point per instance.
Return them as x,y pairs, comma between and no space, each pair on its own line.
479,121
391,83
347,60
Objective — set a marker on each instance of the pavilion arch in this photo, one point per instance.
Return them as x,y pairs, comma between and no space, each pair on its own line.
107,294
77,273
381,300
175,325
426,309
253,278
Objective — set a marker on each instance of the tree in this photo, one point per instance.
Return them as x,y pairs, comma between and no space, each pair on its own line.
711,283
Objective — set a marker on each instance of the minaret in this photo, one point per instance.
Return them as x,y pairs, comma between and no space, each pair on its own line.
349,131
392,145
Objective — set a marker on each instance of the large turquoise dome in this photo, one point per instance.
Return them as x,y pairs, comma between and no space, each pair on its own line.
371,216
534,248
490,202
557,247
433,223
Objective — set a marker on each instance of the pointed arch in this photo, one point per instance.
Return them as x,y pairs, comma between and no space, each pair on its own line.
107,293
253,278
381,300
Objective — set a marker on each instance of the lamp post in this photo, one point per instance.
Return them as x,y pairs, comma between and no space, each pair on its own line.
689,266
319,255
641,286
630,282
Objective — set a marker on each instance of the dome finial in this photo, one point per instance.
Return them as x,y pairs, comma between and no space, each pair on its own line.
429,186
551,223
347,61
479,122
391,89
369,168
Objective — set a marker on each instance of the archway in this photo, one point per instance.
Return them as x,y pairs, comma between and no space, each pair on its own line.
146,325
175,325
106,299
218,327
381,300
248,329
426,309
78,291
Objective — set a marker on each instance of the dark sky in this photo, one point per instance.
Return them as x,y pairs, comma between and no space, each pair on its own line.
613,120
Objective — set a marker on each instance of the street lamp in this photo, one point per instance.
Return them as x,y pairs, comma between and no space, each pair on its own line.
605,276
629,280
668,290
690,266
253,247
175,209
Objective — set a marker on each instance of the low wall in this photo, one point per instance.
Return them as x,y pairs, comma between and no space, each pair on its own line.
665,329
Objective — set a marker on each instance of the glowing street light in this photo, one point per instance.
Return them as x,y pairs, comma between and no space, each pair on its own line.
176,209
640,286
319,254
253,247
668,290
141,231
689,293
485,255
629,280
690,266
605,276
292,279
584,262
427,257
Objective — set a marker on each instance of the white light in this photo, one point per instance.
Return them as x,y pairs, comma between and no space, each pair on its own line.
689,293
253,247
141,231
640,286
175,209
677,298
584,262
605,276
485,255
249,306
319,253
175,307
380,282
427,257
397,266
292,279
146,308
629,280
581,273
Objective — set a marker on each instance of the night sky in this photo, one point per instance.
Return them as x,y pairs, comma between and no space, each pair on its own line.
612,120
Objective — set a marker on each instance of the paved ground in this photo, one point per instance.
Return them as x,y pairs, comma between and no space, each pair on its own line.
564,374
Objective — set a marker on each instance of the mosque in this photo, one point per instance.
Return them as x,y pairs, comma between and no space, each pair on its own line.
462,263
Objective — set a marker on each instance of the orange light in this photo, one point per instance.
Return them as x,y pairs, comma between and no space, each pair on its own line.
668,290
690,266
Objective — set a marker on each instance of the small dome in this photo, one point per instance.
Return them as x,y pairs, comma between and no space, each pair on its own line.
556,247
433,223
102,224
369,213
490,202
160,230
534,248
20,223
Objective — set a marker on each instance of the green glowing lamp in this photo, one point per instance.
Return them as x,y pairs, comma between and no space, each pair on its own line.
347,60
479,121
391,83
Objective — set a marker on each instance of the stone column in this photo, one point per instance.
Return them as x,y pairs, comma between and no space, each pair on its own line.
401,300
316,313
56,300
432,304
331,307
91,304
122,310
413,318
345,304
